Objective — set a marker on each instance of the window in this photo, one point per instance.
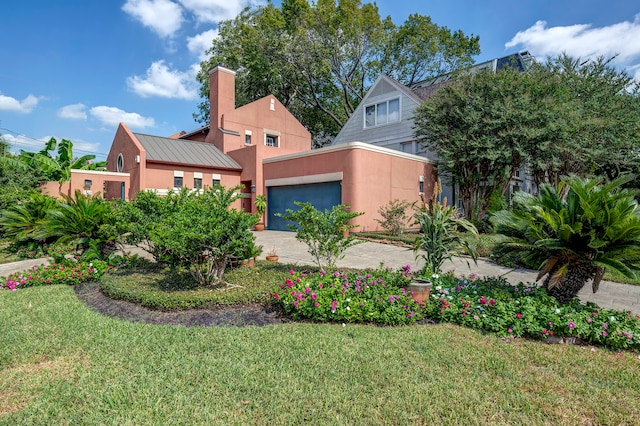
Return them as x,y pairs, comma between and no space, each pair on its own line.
215,182
407,147
247,139
197,183
382,113
120,163
177,181
271,140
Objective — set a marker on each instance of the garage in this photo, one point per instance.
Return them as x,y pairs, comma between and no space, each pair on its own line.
280,198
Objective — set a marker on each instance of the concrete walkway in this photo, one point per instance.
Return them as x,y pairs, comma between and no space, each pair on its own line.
371,255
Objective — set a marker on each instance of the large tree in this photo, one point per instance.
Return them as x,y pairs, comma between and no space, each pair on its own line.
558,118
320,59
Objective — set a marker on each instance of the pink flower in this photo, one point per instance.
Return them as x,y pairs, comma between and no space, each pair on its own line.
510,330
589,320
316,304
571,325
483,301
605,325
313,296
291,271
320,285
295,303
276,295
492,302
518,315
334,305
604,333
307,290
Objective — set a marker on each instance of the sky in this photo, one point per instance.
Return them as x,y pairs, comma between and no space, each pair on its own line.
75,69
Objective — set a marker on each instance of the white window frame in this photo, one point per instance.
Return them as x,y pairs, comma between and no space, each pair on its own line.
272,134
377,105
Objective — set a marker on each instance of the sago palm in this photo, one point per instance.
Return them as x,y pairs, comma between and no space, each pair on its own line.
574,232
84,220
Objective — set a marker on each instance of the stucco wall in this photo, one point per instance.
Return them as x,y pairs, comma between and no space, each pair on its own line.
133,154
99,182
371,176
160,176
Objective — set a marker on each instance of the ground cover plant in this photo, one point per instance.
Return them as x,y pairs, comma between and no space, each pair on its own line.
69,272
493,305
61,363
377,296
162,289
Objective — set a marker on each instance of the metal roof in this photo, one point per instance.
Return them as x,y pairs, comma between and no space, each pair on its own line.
183,151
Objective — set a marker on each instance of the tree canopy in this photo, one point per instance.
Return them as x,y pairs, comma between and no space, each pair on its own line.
320,59
563,117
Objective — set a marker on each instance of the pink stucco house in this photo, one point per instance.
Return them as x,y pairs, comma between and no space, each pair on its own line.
263,147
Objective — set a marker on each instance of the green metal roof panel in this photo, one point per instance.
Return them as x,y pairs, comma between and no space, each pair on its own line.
185,152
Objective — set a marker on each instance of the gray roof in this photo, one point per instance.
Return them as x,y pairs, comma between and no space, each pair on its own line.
183,151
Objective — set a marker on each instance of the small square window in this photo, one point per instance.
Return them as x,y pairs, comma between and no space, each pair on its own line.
216,182
177,182
197,183
247,139
271,140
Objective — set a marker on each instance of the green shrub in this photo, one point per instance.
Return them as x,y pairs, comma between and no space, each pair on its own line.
439,239
323,232
394,216
371,296
160,288
204,233
493,305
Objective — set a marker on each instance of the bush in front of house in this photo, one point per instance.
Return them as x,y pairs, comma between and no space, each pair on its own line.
377,296
493,305
70,272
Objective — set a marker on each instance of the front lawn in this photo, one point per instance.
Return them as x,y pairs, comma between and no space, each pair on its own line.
61,363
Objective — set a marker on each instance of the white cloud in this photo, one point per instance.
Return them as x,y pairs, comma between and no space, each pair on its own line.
163,82
200,43
73,112
162,16
583,41
24,106
113,116
214,11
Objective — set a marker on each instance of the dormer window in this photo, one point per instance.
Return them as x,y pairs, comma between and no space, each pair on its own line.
382,113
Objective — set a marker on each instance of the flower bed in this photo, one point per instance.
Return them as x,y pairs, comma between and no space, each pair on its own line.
371,296
75,272
493,305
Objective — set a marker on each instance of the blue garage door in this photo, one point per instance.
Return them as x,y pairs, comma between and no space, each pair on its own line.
280,198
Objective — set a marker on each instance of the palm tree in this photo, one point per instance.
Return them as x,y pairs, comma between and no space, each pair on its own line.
84,220
21,222
574,232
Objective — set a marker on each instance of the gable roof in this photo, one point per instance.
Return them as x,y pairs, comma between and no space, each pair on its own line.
183,151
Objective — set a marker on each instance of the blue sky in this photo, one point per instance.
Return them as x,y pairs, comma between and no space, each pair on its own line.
74,69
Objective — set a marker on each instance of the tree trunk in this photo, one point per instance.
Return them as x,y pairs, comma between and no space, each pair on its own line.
568,288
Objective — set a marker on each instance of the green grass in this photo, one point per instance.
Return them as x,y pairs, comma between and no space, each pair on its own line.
158,288
64,364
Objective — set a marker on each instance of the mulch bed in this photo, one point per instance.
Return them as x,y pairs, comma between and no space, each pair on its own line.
239,316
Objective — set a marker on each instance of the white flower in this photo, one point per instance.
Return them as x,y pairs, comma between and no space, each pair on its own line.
348,308
612,319
348,300
344,325
435,276
557,311
439,287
